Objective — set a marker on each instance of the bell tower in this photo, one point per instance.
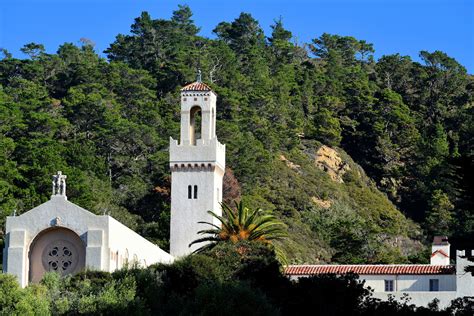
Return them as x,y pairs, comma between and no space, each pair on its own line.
197,166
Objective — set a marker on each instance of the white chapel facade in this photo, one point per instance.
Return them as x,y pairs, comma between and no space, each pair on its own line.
63,237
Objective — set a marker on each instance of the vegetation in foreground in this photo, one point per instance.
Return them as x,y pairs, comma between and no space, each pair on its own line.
242,278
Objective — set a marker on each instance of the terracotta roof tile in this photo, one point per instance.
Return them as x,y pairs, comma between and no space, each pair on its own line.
370,269
196,86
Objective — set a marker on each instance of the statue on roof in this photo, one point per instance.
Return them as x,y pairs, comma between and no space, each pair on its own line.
199,76
59,184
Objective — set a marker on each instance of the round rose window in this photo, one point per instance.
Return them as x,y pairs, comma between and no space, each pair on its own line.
60,256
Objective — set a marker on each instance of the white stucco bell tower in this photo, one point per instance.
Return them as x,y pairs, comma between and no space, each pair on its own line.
197,166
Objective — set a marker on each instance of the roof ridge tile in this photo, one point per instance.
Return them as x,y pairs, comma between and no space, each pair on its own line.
370,269
196,86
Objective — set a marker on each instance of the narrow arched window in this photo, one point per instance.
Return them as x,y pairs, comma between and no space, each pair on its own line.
195,124
190,192
195,191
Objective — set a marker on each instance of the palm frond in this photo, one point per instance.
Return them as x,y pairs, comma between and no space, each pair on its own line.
204,239
205,247
213,231
243,224
251,219
210,224
280,255
223,221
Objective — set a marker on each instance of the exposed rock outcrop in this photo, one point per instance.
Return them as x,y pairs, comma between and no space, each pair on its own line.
290,164
321,203
328,160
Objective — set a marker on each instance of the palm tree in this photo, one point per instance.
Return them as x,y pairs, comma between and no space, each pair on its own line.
243,224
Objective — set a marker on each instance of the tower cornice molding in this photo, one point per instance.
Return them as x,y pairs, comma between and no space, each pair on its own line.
195,94
195,166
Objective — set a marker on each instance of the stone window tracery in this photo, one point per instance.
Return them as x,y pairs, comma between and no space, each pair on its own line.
60,256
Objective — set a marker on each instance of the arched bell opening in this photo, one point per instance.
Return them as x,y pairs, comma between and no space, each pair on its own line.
58,250
195,128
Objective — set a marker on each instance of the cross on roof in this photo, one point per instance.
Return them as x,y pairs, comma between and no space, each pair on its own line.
59,184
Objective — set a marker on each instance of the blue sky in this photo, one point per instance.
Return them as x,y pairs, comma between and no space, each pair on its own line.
403,26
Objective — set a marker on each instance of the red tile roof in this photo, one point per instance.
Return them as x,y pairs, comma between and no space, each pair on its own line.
196,86
370,269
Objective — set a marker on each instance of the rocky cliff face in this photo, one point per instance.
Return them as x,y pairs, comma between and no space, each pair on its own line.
329,161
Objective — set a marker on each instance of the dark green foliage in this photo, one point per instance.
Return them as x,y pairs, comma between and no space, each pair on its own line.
327,128
229,299
106,123
462,306
192,282
92,293
322,295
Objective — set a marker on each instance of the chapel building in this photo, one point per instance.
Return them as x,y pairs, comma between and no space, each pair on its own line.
63,237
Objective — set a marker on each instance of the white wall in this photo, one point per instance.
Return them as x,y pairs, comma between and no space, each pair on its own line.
206,100
126,245
465,280
410,282
438,258
416,286
203,152
186,213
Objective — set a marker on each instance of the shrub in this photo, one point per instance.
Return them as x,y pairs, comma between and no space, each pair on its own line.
233,298
90,293
17,301
326,295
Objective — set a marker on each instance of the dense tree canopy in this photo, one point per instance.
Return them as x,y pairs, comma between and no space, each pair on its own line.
106,123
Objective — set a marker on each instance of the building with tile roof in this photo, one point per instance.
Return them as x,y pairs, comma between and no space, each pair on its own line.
421,282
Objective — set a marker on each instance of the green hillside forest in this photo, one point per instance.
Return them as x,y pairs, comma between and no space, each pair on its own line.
364,159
